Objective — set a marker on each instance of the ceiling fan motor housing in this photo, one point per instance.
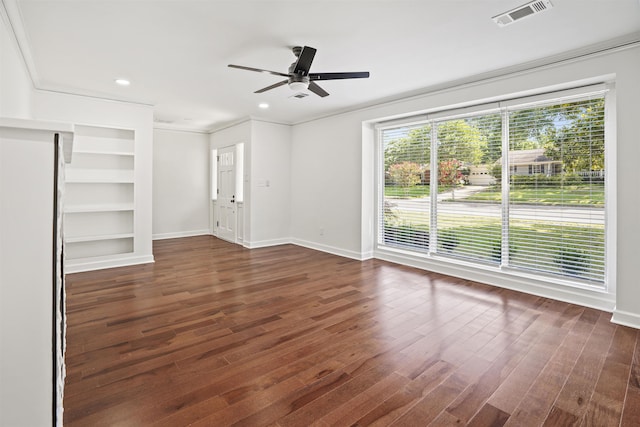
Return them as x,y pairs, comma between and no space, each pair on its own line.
297,81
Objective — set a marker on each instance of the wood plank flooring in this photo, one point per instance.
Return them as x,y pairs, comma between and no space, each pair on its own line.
213,334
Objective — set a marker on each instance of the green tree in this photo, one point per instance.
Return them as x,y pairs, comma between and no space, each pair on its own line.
459,140
527,127
405,174
414,146
496,172
490,127
577,139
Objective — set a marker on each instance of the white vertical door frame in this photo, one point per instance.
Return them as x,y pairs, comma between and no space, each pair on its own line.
226,218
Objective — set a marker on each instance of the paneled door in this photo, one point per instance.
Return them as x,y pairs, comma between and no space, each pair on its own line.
226,194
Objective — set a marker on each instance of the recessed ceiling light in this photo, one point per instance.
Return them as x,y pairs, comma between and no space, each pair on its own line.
123,82
263,105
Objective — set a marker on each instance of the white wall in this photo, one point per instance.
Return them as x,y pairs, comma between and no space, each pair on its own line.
26,221
331,167
180,183
627,67
267,176
270,179
236,134
15,83
326,184
98,112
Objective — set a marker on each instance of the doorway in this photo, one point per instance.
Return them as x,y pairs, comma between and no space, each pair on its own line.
226,194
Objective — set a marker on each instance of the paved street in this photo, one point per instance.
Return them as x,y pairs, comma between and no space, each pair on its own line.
554,214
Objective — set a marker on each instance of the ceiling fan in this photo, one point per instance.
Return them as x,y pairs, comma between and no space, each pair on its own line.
299,78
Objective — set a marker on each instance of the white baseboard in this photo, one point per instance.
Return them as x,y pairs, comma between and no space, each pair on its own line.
90,264
626,319
264,243
178,234
306,244
592,298
331,249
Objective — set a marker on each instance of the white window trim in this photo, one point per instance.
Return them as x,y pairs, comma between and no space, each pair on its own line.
600,297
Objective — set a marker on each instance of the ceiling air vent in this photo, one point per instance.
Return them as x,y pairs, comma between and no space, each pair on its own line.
521,12
299,95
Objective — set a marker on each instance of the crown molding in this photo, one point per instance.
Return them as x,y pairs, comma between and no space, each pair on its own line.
626,42
10,12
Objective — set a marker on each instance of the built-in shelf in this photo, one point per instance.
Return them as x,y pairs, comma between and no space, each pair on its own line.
88,252
89,176
115,207
100,207
79,239
105,152
110,143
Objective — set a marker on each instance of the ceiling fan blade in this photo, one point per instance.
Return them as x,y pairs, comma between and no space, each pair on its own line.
313,87
258,70
337,76
304,61
273,86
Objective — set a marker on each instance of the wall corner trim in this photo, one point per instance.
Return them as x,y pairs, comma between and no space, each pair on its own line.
626,318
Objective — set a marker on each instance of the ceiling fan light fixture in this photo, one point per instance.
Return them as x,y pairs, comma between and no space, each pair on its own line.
298,86
299,79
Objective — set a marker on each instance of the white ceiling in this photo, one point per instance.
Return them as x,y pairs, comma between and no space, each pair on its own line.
176,52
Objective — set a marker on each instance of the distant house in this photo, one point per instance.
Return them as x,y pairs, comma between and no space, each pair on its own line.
532,162
521,162
481,175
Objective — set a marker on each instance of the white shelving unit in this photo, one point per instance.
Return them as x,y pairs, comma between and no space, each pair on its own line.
100,204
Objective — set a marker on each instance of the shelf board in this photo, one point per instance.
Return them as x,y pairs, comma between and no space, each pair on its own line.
97,258
103,144
96,238
114,207
105,180
99,175
105,152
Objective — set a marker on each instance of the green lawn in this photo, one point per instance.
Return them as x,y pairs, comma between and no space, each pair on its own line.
544,244
406,192
581,195
411,192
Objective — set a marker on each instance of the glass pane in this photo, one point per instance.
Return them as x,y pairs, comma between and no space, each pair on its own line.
468,209
405,202
556,189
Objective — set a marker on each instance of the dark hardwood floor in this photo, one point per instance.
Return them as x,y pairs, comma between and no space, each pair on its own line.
213,334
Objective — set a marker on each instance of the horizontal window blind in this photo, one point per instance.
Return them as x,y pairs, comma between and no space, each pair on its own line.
521,187
405,203
556,189
468,222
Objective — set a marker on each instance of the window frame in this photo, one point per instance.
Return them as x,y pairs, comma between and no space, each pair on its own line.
607,90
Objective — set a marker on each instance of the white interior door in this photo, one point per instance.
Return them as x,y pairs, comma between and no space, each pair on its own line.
226,194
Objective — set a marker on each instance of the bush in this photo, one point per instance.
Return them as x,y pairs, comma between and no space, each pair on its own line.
448,239
571,260
541,180
405,174
406,235
496,250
